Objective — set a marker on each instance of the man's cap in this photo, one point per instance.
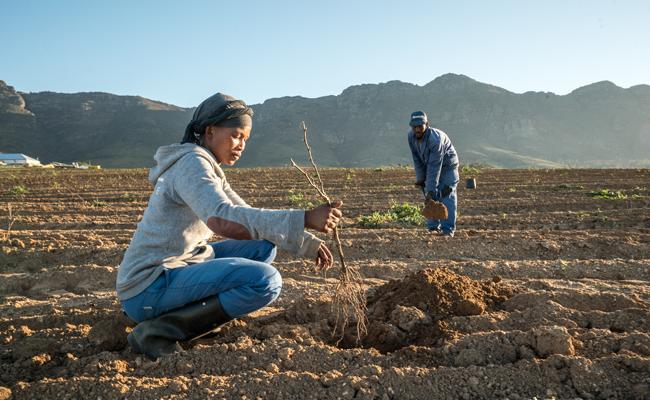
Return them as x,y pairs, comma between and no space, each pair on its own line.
418,118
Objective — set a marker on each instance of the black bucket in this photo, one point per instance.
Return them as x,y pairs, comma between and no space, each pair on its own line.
471,183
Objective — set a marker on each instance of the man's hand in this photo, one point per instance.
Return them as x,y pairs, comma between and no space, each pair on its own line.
324,259
324,218
446,191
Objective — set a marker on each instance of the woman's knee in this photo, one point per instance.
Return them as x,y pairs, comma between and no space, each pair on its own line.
268,288
267,252
260,285
273,283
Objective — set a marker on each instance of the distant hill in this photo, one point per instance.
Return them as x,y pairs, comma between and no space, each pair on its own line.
114,131
597,125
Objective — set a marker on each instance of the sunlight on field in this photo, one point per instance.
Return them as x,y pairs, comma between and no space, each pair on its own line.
544,292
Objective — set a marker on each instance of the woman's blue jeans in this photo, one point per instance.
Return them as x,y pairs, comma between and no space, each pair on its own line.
241,275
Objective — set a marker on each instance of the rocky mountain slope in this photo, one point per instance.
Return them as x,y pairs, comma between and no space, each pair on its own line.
597,125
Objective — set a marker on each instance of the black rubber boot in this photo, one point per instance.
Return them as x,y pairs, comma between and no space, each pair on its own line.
160,336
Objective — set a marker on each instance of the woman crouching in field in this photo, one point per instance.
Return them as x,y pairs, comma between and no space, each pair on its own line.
175,284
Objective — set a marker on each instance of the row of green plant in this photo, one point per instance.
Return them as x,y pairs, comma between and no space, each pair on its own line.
608,194
299,200
403,214
21,191
605,193
569,186
471,169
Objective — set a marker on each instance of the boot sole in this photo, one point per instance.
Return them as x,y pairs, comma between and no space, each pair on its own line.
134,343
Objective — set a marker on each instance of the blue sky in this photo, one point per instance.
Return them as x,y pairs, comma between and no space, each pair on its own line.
182,52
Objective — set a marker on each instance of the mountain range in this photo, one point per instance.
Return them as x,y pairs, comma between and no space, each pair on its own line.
598,125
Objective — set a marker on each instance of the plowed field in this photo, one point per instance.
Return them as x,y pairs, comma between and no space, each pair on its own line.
543,292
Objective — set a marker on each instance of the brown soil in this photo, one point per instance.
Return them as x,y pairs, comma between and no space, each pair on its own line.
416,310
542,293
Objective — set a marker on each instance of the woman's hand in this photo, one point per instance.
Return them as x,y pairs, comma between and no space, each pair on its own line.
324,259
324,218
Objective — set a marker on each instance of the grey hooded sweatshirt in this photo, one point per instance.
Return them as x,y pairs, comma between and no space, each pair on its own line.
189,188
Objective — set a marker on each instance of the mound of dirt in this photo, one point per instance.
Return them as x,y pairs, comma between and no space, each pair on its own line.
415,310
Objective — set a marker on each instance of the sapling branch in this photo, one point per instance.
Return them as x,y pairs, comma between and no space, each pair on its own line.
11,218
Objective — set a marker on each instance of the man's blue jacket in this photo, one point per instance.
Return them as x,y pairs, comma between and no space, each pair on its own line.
430,156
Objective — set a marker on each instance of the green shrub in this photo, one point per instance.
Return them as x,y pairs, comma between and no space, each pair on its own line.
98,203
375,220
403,214
607,194
569,186
408,214
299,200
130,197
468,170
18,191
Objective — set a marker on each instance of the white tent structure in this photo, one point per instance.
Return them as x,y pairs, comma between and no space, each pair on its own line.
18,159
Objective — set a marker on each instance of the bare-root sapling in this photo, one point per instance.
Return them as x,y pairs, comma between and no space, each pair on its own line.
349,297
11,218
